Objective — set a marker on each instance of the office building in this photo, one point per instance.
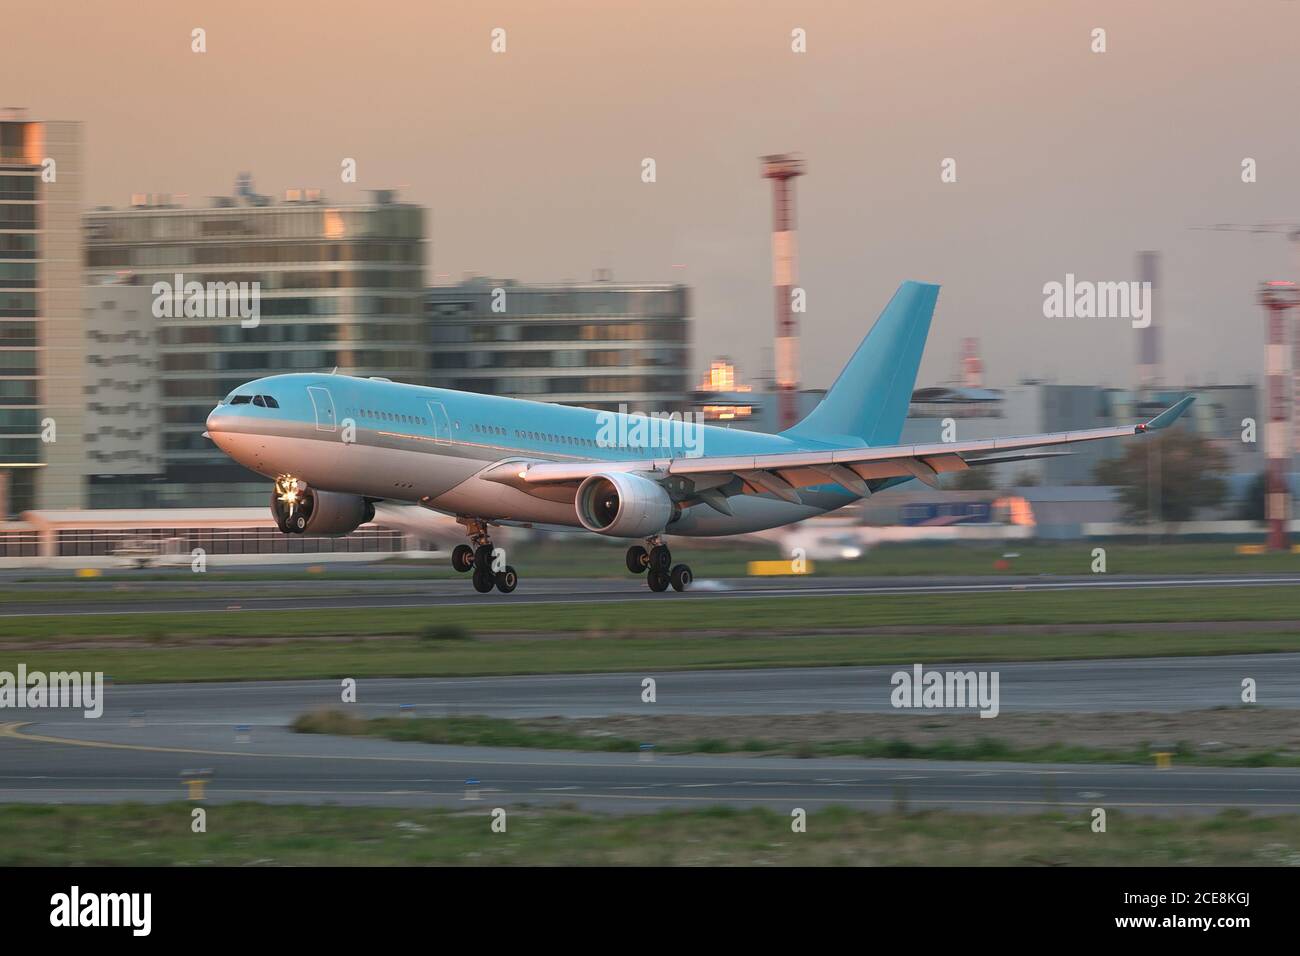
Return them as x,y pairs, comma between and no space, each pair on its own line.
41,341
332,285
600,344
123,408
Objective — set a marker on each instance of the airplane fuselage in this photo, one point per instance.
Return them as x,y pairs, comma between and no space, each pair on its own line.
397,442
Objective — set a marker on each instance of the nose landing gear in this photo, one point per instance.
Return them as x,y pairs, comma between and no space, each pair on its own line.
481,560
292,504
657,562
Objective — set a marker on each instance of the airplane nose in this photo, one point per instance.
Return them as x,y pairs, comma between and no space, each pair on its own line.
217,420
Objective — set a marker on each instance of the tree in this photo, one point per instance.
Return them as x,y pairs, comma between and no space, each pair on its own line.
1026,479
1189,476
973,479
1252,502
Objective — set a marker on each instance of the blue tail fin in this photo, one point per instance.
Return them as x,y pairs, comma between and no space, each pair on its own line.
868,402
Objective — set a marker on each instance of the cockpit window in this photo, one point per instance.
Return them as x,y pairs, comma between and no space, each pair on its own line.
270,401
241,399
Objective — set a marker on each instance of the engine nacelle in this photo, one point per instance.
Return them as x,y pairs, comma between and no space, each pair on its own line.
323,513
622,505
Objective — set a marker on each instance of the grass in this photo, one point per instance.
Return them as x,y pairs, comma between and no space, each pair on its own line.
501,732
304,659
256,834
119,593
622,636
498,615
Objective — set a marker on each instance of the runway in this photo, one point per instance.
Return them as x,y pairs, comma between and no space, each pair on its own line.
1094,686
279,767
325,593
152,736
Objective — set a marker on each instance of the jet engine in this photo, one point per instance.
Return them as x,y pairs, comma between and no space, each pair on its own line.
623,505
298,509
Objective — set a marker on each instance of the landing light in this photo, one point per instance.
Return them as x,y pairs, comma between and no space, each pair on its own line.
288,489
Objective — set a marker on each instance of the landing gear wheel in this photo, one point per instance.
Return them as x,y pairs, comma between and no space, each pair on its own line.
507,580
282,522
661,559
681,577
638,558
298,523
462,558
483,557
484,580
658,580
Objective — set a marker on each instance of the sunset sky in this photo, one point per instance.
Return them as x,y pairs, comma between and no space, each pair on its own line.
1068,161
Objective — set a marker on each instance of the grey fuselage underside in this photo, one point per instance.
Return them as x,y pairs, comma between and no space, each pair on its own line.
441,474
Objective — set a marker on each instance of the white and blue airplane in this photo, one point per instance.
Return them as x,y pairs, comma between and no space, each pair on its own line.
335,445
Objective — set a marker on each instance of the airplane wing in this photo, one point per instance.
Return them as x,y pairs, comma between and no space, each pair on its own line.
783,474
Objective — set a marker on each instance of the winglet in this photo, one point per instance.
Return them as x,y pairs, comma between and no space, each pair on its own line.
1168,416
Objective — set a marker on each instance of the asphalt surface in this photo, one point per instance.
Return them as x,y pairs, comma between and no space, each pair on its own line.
278,767
325,593
1095,686
151,737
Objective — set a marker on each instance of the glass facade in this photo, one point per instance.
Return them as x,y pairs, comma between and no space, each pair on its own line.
20,391
601,345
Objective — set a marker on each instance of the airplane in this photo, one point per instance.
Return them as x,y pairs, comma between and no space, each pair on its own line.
335,445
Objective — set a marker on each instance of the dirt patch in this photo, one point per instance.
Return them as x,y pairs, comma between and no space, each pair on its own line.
741,632
1206,731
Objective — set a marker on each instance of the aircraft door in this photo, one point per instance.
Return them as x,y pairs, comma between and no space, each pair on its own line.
441,423
323,403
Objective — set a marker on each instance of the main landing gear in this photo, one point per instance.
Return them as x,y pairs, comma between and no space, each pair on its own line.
656,561
479,560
